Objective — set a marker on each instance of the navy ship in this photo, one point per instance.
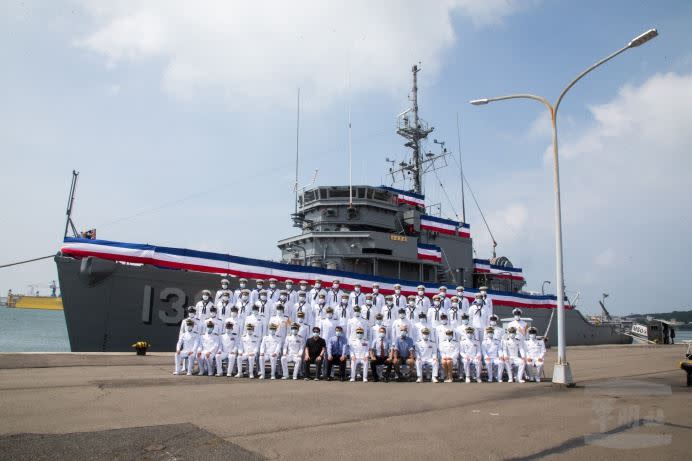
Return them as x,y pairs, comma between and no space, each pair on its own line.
117,293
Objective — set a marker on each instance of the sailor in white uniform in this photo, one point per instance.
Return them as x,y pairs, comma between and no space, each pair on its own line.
398,298
487,299
334,294
426,356
273,290
515,355
412,309
254,294
354,323
191,315
476,316
421,325
247,350
435,312
455,312
342,311
225,284
368,310
444,299
242,285
302,306
471,355
518,324
463,301
491,347
203,306
359,347
449,354
422,301
185,350
281,320
535,352
319,309
291,292
270,348
228,349
209,344
377,297
315,292
388,312
218,324
292,352
398,324
356,297
223,306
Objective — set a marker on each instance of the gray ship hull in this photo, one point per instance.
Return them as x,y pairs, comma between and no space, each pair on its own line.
109,306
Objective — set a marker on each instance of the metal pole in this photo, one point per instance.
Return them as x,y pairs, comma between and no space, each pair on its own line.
461,169
297,147
543,286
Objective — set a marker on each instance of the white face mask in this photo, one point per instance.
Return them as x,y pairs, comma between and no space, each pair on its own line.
272,332
469,335
234,315
280,312
294,332
191,314
272,285
375,290
421,292
356,314
517,317
189,328
380,335
401,316
402,334
411,303
532,336
359,335
225,299
303,287
315,334
335,286
493,322
289,286
330,315
263,297
444,322
449,337
338,333
212,314
378,322
244,297
465,321
229,329
426,337
318,285
397,292
205,297
321,302
224,286
512,335
357,289
436,303
455,306
260,286
301,299
243,285
368,302
300,320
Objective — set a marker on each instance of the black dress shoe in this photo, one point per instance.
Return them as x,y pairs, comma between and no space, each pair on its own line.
329,378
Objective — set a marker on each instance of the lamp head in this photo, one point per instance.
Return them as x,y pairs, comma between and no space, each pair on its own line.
643,38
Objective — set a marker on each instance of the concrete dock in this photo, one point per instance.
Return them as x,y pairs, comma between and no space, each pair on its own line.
630,402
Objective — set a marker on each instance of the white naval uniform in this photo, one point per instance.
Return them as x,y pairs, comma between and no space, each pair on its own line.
247,350
441,333
220,293
313,295
491,348
203,310
433,313
196,328
377,301
521,327
489,304
463,303
360,355
270,348
476,319
399,301
368,313
342,312
264,311
535,352
223,311
282,322
426,354
454,315
450,349
417,332
422,303
228,350
515,354
389,314
244,308
254,294
328,328
460,331
256,322
445,300
334,297
356,299
306,309
471,355
209,343
319,313
292,296
273,294
292,352
218,325
412,312
353,324
186,349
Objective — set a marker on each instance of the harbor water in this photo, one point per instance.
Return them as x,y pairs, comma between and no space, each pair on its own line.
36,330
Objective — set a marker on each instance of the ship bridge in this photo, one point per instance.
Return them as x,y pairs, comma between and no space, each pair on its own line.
378,231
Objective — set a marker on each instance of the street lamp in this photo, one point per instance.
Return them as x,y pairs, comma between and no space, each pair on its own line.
562,373
543,286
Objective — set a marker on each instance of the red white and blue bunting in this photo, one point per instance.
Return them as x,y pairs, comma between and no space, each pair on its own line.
483,266
409,198
445,226
429,252
229,265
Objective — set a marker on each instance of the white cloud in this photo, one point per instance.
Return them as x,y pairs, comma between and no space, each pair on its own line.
259,52
625,197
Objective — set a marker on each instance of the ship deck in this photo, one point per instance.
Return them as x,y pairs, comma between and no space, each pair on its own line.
629,401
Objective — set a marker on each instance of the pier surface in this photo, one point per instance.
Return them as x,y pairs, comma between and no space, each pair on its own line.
630,403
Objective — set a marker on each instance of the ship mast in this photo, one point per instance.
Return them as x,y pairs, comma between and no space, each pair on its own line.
414,131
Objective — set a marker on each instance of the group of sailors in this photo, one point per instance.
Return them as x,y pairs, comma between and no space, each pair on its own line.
328,328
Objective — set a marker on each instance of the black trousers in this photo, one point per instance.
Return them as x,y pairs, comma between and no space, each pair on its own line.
336,361
380,361
306,366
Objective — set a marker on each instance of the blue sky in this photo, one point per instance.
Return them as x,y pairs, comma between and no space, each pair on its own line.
181,121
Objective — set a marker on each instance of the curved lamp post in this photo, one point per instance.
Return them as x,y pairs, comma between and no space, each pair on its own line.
562,373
